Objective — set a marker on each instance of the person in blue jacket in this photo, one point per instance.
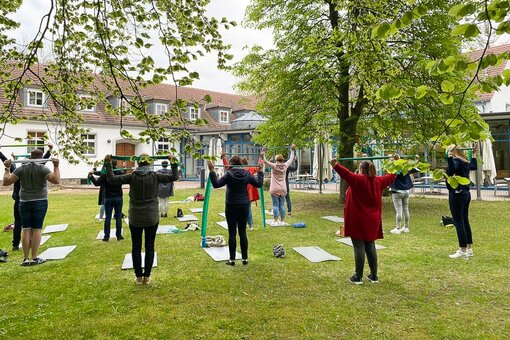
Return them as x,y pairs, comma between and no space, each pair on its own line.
459,199
400,190
237,203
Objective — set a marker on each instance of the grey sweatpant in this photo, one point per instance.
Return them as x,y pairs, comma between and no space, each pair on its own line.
401,203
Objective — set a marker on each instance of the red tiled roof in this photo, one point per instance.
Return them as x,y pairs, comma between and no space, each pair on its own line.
490,71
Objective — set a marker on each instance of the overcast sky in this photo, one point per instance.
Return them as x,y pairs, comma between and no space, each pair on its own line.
210,77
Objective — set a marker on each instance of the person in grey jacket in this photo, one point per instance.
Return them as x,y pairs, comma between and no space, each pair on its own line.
165,190
143,209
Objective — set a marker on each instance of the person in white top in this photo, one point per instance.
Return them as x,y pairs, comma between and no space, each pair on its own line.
278,187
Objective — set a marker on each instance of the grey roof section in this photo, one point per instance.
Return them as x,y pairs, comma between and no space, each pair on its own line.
249,120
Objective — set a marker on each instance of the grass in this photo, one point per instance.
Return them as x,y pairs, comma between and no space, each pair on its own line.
423,294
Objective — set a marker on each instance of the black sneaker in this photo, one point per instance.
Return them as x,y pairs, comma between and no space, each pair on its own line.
372,278
120,238
25,263
37,260
245,262
15,248
230,263
356,280
106,239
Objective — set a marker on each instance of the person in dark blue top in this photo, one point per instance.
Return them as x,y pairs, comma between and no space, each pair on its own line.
400,190
237,202
459,199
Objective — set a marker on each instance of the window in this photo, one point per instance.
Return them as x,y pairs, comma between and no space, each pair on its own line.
193,113
89,141
86,104
223,116
35,98
36,140
161,109
163,146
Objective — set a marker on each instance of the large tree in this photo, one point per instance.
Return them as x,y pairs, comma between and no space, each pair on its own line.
354,69
105,47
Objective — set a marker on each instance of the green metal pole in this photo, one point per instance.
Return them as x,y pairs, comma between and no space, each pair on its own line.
262,206
205,210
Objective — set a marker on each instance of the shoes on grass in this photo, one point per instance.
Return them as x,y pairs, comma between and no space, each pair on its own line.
15,248
25,263
396,231
146,280
36,261
230,263
372,278
405,230
469,252
120,238
459,254
245,262
106,239
356,280
138,280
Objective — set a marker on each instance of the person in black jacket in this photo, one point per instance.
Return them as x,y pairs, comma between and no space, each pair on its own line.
400,190
237,202
291,168
112,201
459,199
16,233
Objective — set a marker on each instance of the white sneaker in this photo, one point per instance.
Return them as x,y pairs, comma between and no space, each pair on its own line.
405,230
395,231
469,252
459,254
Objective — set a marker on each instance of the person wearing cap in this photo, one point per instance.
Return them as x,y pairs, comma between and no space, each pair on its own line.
143,211
165,190
33,201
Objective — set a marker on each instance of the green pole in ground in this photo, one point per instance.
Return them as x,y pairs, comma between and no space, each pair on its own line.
205,209
261,189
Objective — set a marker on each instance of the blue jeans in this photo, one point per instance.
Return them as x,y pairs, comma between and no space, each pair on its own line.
111,203
289,203
32,213
250,217
278,206
459,207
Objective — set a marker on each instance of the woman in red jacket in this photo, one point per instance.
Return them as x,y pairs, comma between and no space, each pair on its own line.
362,214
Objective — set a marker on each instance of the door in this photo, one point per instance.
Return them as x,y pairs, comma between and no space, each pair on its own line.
125,149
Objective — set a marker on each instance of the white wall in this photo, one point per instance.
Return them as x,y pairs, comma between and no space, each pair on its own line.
68,171
501,98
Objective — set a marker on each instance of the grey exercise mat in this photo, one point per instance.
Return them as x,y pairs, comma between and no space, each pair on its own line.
315,254
196,210
113,234
220,253
128,261
348,241
57,253
269,212
97,217
272,223
223,224
334,218
169,229
187,218
126,220
44,238
222,214
55,228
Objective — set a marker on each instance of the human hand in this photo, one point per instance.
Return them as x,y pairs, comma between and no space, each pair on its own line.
171,158
91,173
210,165
292,147
55,162
333,162
108,158
262,153
50,146
7,163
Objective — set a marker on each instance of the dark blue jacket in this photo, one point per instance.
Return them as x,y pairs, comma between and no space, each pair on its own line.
110,190
236,180
458,167
403,182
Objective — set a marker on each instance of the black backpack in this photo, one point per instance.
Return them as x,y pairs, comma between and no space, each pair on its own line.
179,212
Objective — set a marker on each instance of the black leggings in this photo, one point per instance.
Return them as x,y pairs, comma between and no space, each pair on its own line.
16,233
136,251
360,248
459,207
237,215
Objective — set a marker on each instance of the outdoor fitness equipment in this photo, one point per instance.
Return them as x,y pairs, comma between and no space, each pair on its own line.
23,145
207,196
38,160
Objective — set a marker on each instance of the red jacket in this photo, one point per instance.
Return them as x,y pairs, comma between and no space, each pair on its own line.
363,204
253,192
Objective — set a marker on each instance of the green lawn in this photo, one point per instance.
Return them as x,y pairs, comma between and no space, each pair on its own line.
423,294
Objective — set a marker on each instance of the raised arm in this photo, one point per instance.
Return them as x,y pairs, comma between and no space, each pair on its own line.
258,181
266,162
216,183
165,178
9,178
291,158
345,173
115,179
54,177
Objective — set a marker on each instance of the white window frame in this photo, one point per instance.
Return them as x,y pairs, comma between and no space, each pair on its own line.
194,113
163,145
36,139
89,140
35,92
160,108
86,109
226,116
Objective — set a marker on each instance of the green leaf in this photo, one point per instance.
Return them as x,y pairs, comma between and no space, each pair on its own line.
421,91
446,98
454,183
447,86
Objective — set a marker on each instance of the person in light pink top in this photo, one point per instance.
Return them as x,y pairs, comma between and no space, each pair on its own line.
278,187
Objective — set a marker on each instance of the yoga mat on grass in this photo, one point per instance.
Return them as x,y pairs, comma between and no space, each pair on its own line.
348,241
316,254
57,253
223,224
128,261
98,219
269,212
272,223
126,220
222,214
334,218
44,238
169,229
55,228
196,210
187,218
113,234
220,253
